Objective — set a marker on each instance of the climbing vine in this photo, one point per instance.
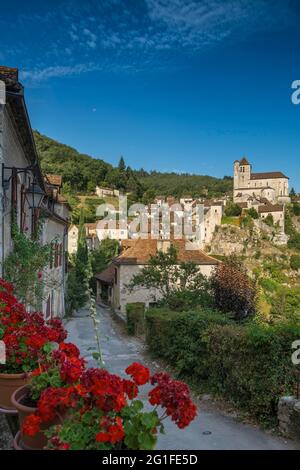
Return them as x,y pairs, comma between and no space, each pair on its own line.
25,267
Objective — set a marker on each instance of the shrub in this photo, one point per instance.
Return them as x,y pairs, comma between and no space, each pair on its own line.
179,337
233,210
286,304
246,222
248,364
251,365
296,209
295,262
269,220
253,213
135,313
294,241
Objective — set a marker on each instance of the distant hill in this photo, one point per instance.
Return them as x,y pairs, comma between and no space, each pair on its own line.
82,173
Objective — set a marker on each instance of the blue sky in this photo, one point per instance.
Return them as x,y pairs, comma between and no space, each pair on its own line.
179,85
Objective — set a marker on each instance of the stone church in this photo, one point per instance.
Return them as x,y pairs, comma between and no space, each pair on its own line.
272,186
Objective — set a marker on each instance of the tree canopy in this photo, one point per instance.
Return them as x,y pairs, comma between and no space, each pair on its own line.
83,173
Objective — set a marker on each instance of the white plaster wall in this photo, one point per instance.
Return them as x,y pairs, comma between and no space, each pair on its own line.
122,296
54,231
12,154
72,239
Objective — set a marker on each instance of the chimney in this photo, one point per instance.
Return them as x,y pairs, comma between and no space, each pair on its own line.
10,76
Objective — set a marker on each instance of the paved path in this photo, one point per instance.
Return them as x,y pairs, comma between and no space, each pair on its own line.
211,430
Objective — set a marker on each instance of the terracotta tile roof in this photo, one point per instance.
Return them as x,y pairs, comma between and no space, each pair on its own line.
265,176
91,226
127,244
55,180
244,161
212,203
267,208
243,205
106,276
141,251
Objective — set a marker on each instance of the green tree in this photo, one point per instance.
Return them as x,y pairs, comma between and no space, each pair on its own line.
296,209
233,290
253,213
269,220
233,210
80,272
102,257
180,284
121,165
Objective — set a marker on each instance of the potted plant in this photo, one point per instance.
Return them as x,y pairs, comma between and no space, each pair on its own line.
60,368
102,411
26,338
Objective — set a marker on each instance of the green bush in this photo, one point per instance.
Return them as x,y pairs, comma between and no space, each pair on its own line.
295,262
269,220
253,213
135,313
233,210
296,209
249,364
179,338
269,285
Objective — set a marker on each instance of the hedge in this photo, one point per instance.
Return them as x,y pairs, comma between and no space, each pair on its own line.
249,365
135,314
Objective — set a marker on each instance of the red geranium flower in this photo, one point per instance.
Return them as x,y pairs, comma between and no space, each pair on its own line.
31,425
113,434
139,373
130,389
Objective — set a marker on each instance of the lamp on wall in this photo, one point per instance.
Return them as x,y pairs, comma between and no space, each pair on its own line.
34,195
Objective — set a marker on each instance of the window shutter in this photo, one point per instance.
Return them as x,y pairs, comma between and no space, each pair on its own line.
22,210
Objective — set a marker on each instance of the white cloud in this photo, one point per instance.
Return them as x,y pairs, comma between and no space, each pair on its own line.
197,24
111,37
74,36
40,74
92,41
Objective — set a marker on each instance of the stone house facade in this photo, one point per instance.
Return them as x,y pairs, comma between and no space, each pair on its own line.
115,279
26,195
110,192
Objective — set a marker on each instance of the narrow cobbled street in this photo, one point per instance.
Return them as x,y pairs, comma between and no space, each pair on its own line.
211,430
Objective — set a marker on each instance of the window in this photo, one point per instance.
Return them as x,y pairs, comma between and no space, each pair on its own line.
116,276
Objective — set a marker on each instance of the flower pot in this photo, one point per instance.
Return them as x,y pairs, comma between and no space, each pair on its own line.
9,383
37,442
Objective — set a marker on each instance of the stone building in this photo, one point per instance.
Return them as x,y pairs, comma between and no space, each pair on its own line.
55,211
112,282
273,186
92,239
107,192
26,195
267,193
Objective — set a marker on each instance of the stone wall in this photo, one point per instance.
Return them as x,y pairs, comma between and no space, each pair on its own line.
289,417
